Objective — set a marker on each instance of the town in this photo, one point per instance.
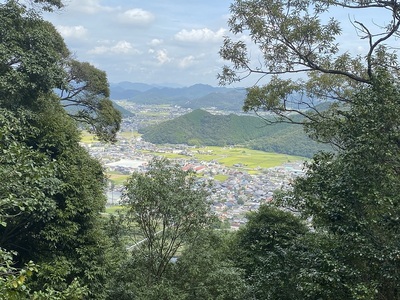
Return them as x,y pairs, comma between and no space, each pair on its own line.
234,190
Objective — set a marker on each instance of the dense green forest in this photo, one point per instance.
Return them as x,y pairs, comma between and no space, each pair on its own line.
333,235
53,244
200,127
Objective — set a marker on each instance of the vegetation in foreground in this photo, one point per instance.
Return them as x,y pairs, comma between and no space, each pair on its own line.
341,243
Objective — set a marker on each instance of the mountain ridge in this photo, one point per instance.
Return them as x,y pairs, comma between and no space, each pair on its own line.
194,96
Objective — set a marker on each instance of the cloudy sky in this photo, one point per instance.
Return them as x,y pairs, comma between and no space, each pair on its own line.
155,41
165,41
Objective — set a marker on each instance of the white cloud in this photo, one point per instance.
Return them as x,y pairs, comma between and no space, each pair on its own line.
200,35
88,6
162,56
72,31
155,42
122,47
187,61
136,16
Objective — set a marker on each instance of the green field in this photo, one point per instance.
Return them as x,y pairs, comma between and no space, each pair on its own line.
87,137
128,134
221,177
247,158
252,161
242,158
117,178
114,209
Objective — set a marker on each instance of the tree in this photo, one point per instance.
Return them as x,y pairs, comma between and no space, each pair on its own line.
32,55
349,197
29,179
47,5
53,190
29,183
209,271
354,195
52,200
87,91
169,206
261,248
13,283
300,54
34,61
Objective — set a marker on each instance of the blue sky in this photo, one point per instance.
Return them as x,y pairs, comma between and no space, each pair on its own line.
156,41
167,41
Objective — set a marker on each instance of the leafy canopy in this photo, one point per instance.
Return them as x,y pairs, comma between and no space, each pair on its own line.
169,206
300,55
34,61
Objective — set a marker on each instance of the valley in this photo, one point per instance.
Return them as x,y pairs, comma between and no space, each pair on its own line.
241,178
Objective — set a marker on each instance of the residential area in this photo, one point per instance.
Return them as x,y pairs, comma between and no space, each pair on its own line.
233,192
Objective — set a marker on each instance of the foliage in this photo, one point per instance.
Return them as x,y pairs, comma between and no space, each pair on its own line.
350,198
87,90
261,249
52,199
202,128
12,280
75,235
30,183
34,61
28,177
208,271
282,258
169,206
201,270
47,5
302,38
13,283
353,195
32,54
52,191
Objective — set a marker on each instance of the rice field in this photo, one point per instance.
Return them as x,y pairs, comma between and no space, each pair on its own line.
243,157
117,178
87,137
253,161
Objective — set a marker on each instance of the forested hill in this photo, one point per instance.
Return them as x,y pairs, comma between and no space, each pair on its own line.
124,112
202,128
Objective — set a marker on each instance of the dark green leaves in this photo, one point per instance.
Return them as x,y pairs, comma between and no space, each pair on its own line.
169,206
32,54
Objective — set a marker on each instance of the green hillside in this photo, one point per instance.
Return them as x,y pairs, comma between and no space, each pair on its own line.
124,112
202,128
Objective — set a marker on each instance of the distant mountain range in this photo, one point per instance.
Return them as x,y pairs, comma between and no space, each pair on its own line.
202,128
195,96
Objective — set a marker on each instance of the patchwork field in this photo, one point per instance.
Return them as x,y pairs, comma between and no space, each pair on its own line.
251,161
237,157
